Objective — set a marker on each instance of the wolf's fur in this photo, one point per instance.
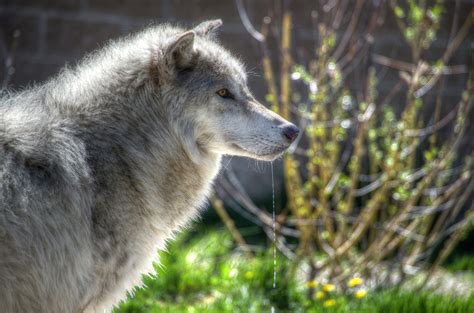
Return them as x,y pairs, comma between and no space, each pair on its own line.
100,165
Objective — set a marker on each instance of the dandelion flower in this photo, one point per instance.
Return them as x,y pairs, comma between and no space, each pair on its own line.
312,284
248,275
356,281
329,303
359,294
320,295
328,287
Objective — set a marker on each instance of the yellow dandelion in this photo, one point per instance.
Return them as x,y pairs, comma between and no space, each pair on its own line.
356,281
329,303
359,294
328,287
312,284
320,295
249,275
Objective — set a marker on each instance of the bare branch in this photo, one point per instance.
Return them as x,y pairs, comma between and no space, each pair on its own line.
246,22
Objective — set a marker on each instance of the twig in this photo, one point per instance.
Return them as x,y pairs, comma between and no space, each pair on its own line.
411,68
453,45
229,223
246,22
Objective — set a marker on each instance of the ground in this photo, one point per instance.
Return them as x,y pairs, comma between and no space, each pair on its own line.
205,273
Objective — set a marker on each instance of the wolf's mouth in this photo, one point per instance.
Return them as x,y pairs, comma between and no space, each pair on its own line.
264,155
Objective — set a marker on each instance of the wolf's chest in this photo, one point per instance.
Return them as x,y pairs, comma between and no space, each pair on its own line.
169,203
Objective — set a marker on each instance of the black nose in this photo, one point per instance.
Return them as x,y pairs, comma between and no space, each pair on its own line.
291,132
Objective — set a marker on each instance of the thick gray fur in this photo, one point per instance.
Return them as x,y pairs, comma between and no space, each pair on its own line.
103,163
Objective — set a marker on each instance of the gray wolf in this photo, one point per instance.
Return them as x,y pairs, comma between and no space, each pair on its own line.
104,162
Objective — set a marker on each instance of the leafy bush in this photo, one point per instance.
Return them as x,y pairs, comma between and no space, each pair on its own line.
378,190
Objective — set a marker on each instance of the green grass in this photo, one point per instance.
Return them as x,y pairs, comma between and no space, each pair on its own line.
464,263
204,274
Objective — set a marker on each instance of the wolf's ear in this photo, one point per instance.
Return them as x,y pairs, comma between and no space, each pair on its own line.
180,53
208,28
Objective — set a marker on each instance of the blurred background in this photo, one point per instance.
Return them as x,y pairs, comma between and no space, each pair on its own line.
52,33
383,91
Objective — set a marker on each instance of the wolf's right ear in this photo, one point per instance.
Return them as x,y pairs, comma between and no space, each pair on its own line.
180,53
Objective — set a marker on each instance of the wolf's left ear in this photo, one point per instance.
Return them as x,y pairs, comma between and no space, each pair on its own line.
180,52
208,28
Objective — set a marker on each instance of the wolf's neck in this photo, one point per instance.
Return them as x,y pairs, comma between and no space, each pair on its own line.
176,188
176,183
153,187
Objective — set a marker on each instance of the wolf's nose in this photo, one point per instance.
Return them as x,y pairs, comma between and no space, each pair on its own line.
291,132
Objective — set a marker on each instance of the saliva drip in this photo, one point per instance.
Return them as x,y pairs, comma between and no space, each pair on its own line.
274,233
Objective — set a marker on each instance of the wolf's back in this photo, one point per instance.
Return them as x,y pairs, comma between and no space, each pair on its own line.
43,216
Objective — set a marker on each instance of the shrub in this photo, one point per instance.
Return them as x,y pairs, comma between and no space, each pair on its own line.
379,190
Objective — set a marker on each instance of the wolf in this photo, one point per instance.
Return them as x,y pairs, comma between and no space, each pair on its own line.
106,161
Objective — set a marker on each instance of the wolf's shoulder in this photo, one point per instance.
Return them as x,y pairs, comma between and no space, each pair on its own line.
39,137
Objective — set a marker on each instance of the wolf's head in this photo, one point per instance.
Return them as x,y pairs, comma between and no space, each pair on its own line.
213,107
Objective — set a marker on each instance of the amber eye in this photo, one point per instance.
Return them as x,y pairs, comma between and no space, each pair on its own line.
225,93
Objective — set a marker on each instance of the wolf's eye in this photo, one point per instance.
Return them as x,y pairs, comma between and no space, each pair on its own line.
225,93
